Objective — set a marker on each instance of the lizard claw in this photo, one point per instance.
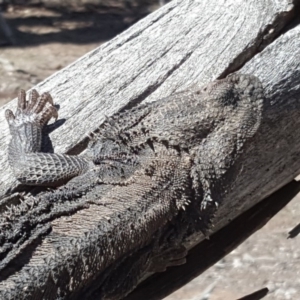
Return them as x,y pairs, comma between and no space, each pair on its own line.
21,101
10,117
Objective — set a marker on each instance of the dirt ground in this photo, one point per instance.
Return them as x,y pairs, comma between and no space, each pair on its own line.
48,40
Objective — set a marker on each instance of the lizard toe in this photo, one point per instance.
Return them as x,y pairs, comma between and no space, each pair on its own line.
10,117
33,98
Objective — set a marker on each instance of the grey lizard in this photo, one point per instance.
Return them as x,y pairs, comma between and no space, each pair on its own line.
150,177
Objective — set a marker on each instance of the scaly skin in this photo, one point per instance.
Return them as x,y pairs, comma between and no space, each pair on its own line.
150,177
30,166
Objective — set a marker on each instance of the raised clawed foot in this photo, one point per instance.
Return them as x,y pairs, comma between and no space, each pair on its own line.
39,109
31,165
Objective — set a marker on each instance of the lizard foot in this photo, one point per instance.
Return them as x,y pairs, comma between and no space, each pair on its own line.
39,109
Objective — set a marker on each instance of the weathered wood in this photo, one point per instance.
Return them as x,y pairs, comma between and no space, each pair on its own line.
273,159
185,42
182,43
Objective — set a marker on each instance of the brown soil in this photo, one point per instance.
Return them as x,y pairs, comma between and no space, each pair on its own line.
48,39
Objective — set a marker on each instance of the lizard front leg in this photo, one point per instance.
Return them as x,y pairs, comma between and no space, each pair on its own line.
29,165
